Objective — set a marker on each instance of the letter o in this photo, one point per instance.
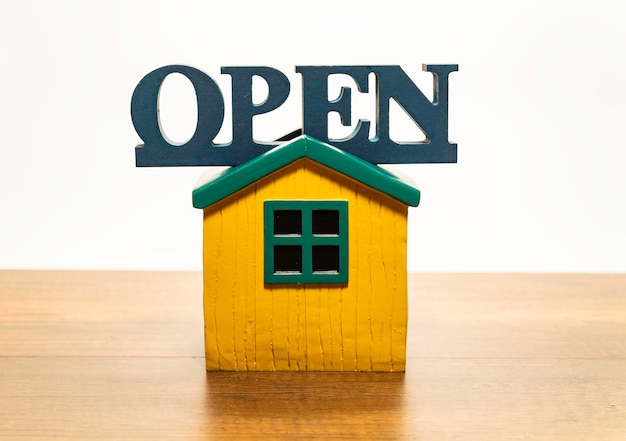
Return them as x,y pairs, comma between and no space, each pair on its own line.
144,109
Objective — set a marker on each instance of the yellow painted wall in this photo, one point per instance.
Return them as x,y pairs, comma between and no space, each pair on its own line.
359,326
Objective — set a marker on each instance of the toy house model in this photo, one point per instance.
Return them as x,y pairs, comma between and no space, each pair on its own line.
305,262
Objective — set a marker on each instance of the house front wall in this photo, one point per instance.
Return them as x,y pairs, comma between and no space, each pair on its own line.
250,325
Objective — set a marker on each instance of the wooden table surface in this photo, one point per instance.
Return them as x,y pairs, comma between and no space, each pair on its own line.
119,355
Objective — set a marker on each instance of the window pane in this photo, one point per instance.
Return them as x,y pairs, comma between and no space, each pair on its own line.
325,222
287,222
305,241
288,258
325,258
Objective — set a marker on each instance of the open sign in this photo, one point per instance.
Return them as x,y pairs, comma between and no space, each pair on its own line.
391,83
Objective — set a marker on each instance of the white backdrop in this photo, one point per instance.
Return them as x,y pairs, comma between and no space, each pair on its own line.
537,108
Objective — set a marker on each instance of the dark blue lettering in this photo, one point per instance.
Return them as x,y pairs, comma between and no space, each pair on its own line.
157,150
243,107
316,105
391,83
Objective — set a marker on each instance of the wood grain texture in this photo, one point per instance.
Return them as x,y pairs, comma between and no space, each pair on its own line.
255,326
119,355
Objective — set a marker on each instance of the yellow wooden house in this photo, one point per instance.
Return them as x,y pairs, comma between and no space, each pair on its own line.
304,260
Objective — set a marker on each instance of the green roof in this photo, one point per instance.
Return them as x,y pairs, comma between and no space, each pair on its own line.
236,178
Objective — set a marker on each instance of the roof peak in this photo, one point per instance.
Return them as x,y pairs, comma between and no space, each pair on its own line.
304,146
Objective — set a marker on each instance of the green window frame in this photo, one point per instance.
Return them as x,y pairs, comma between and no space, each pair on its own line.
306,241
